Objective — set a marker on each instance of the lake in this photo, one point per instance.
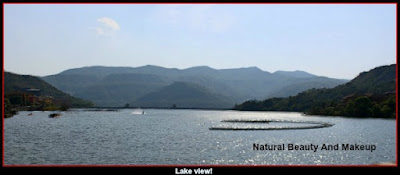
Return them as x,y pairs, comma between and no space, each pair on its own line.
171,137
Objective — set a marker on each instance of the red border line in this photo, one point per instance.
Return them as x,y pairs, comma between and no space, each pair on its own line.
397,98
199,3
2,96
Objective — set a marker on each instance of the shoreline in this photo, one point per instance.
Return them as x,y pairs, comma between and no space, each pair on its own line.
114,109
231,109
213,109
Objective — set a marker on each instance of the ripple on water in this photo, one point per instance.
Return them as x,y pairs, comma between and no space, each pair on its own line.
183,137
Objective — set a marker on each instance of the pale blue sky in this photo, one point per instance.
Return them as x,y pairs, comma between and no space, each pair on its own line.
333,40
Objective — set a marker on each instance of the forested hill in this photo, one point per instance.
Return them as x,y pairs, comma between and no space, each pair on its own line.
370,94
17,85
183,95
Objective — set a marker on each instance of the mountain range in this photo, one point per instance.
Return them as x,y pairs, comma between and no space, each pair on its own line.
370,94
195,87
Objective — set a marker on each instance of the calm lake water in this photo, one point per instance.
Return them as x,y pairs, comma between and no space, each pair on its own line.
170,137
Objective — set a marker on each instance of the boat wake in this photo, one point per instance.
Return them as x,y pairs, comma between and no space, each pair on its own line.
138,112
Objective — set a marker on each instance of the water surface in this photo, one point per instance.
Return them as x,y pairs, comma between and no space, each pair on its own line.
170,137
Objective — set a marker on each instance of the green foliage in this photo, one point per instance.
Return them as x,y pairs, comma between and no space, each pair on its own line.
16,99
360,107
9,111
15,87
7,103
252,105
388,107
371,94
51,107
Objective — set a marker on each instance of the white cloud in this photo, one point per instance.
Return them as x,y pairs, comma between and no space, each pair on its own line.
108,26
108,22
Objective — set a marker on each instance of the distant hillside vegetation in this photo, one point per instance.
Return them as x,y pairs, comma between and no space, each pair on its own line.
119,89
116,86
183,95
371,94
27,84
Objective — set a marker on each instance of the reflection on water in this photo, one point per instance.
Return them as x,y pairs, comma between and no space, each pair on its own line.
183,137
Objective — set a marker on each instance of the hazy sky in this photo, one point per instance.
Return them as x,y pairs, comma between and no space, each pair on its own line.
334,40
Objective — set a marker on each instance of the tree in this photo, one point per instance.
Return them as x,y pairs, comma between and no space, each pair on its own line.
386,111
9,111
16,98
362,107
376,110
64,106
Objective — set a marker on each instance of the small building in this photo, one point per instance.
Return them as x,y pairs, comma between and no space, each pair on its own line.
46,99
